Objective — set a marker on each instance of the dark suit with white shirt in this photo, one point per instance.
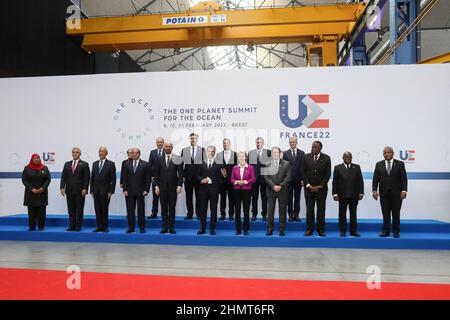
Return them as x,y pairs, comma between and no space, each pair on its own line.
191,161
226,188
390,185
348,185
294,157
259,159
103,182
153,160
168,177
136,180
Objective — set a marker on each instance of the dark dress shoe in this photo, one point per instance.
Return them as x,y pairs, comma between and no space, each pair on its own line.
188,218
321,233
41,229
130,230
282,234
153,215
163,231
172,231
245,233
70,229
253,218
342,234
106,230
264,218
308,233
230,218
297,219
269,232
212,232
396,235
237,233
291,219
142,230
355,234
77,229
384,234
201,232
222,217
32,229
97,230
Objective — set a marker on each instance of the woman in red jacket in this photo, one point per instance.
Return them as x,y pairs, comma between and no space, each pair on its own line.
242,178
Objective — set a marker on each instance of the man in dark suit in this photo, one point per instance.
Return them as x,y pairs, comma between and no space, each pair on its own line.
277,177
294,156
168,183
136,185
227,158
103,184
74,186
210,177
258,158
316,171
192,157
128,160
154,157
348,189
390,179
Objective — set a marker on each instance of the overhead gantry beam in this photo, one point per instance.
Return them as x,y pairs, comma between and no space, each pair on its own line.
218,27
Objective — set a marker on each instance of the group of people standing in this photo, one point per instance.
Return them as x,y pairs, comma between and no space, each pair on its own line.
239,179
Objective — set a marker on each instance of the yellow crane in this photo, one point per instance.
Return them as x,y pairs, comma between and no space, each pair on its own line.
208,24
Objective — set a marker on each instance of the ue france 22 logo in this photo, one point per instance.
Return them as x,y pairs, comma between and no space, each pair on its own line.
312,103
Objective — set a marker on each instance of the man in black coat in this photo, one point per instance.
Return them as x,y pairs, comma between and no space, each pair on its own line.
192,157
228,159
136,185
74,186
128,160
168,183
210,178
391,180
316,171
153,160
277,177
103,185
258,158
294,156
348,189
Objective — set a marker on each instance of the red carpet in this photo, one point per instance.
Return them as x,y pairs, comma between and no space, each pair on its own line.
47,284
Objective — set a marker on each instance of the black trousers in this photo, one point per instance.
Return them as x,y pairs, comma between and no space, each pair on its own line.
101,205
168,199
191,186
36,215
131,214
210,196
352,204
75,206
391,205
294,191
226,190
155,200
259,187
313,199
282,198
242,200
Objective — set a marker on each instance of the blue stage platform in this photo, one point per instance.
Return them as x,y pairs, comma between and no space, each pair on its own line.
415,234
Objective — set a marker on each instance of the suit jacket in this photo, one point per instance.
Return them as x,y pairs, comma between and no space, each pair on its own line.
122,169
249,175
281,176
136,182
316,173
190,168
74,183
168,177
153,160
295,164
395,182
258,163
348,183
213,173
220,159
103,182
33,179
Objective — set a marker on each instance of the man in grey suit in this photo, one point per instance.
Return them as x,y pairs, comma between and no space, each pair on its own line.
277,177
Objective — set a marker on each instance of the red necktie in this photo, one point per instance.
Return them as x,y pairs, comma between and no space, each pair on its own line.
74,165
